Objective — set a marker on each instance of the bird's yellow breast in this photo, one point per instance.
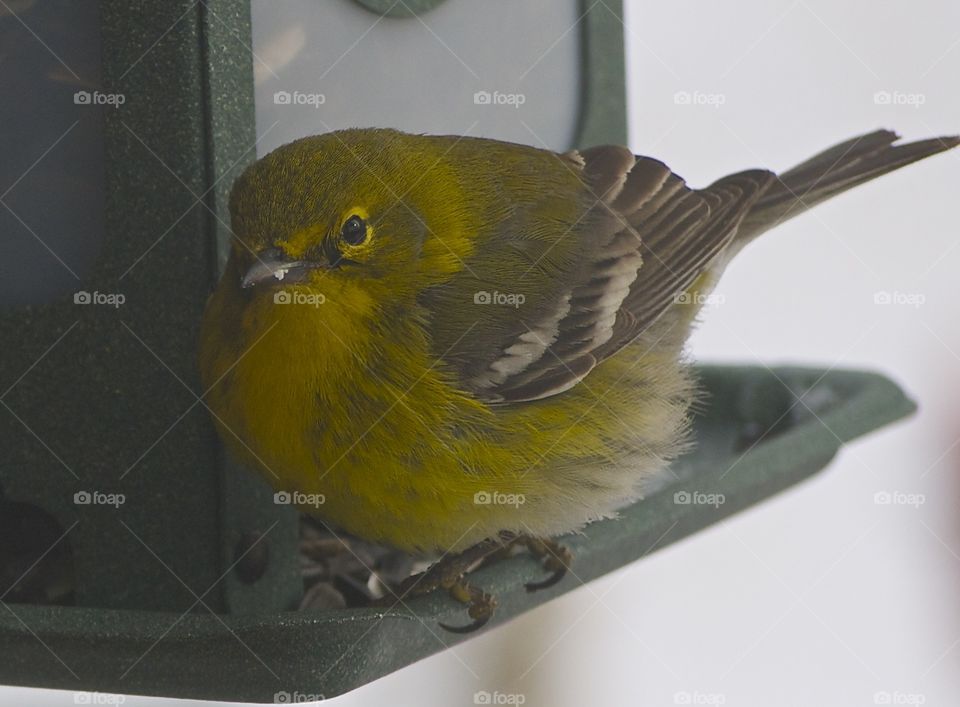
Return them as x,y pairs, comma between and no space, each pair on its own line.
310,393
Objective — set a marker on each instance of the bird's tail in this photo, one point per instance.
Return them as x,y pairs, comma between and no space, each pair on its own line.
831,172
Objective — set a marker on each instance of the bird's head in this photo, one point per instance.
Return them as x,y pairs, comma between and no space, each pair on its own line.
361,206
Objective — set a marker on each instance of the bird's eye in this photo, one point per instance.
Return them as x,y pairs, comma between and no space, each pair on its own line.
354,230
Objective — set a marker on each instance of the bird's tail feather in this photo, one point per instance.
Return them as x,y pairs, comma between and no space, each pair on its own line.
833,171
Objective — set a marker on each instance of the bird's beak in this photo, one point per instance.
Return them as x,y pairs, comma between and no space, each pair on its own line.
272,264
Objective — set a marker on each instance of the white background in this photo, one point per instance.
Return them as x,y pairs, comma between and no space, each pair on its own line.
820,596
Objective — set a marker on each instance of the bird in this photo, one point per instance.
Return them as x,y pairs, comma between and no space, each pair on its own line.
452,345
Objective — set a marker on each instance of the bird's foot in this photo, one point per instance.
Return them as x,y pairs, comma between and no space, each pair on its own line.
450,572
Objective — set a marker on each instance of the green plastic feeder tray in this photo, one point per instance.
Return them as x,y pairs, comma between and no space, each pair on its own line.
811,414
103,400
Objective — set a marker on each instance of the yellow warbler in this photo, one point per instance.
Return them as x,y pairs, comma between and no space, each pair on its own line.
452,340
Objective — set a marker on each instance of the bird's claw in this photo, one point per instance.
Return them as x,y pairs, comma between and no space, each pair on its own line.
555,557
481,607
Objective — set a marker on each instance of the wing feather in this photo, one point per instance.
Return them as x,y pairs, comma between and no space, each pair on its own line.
666,235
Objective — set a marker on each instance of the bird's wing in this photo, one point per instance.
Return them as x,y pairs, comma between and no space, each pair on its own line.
642,239
676,248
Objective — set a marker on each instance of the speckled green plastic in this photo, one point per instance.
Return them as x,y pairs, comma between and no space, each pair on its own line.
106,401
257,657
603,112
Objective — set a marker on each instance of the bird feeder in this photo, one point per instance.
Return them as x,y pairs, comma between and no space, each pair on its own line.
134,557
